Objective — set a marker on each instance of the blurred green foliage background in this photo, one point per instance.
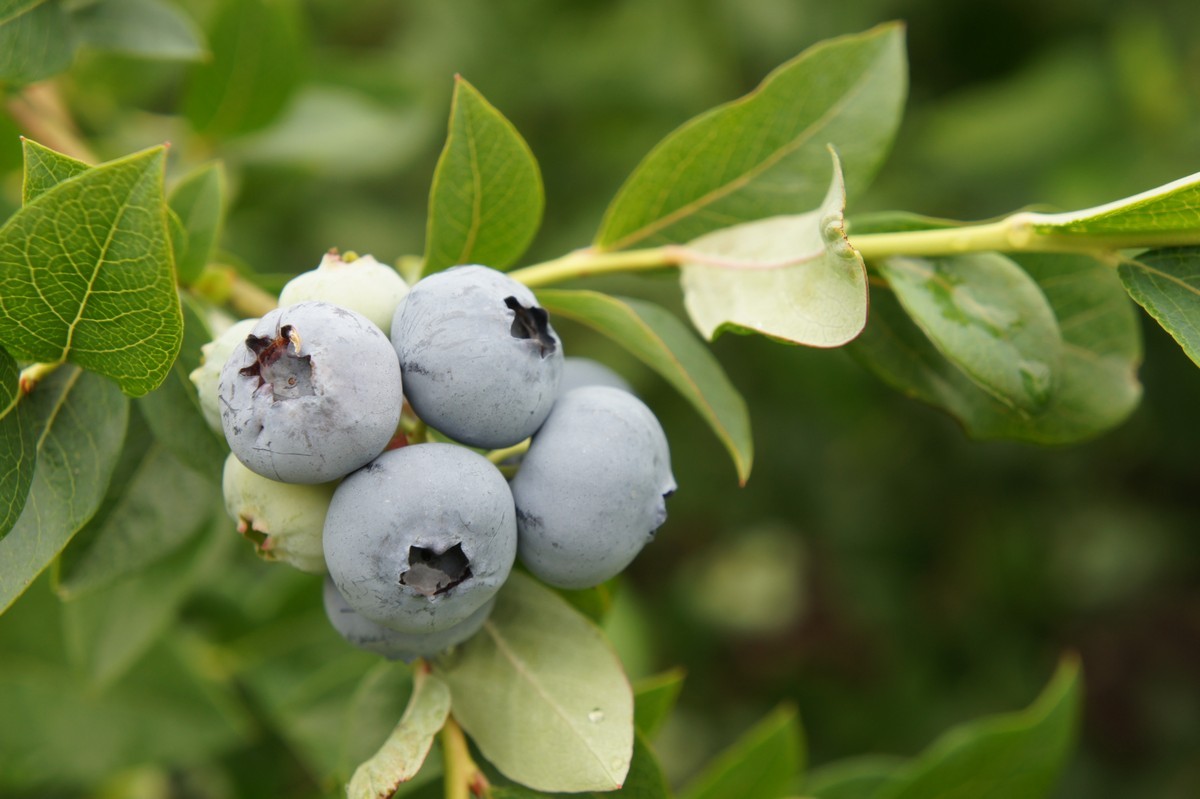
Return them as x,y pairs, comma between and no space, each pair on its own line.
881,571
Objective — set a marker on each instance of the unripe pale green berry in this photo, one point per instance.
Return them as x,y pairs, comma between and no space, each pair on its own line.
208,374
361,284
283,520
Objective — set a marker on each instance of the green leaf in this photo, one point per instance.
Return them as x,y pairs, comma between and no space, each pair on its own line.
1018,754
199,199
542,694
401,756
370,714
257,62
1167,284
86,275
594,602
78,419
654,698
143,28
853,778
1097,387
763,763
794,278
988,318
764,154
112,628
36,40
486,202
645,781
162,505
662,342
1163,210
18,445
173,409
45,169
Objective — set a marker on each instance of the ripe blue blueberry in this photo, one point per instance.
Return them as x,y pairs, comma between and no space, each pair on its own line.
422,537
311,394
579,372
363,633
591,490
481,362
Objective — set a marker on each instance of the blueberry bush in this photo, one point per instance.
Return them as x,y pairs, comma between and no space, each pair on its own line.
280,269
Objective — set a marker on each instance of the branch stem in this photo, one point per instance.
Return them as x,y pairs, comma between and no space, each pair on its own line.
464,778
588,262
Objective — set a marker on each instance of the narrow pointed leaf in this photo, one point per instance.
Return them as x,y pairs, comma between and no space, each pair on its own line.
36,40
1167,284
764,762
1155,215
45,169
487,200
663,342
199,199
18,445
987,317
79,422
86,275
653,699
794,278
854,778
403,753
1019,754
141,28
542,694
764,154
1097,386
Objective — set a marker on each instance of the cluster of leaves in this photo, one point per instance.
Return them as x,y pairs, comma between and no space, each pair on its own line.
110,454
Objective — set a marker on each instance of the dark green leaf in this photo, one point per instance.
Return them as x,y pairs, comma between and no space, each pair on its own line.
664,343
1167,284
1097,386
36,40
654,698
161,507
199,199
173,409
78,419
1019,754
111,628
371,712
257,61
86,275
404,751
794,278
18,445
45,169
542,694
143,28
763,763
987,317
765,154
486,201
853,778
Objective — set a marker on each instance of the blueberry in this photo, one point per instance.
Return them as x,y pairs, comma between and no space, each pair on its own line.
422,537
311,394
361,284
579,372
366,634
481,362
283,520
591,489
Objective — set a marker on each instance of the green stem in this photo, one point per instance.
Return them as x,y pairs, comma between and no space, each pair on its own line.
499,456
463,777
584,263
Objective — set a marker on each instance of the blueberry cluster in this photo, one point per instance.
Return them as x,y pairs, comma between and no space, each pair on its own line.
315,397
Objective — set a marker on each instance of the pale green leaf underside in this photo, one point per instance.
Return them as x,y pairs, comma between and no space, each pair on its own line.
79,419
794,278
764,154
987,317
662,342
486,201
86,275
1166,209
1017,754
763,762
18,446
542,694
1167,284
1097,386
143,28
